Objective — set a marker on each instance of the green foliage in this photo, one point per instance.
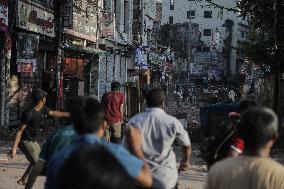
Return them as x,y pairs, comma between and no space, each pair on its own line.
261,48
261,12
262,35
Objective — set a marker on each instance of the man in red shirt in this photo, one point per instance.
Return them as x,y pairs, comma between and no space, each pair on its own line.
113,102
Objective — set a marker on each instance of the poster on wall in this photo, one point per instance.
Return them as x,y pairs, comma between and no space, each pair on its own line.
35,17
27,52
26,66
4,15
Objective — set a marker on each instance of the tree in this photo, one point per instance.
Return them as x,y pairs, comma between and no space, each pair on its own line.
262,47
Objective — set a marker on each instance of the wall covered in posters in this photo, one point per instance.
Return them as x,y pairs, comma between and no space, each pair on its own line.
35,17
27,52
4,15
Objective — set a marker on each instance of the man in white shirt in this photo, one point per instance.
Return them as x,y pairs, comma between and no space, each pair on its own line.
159,131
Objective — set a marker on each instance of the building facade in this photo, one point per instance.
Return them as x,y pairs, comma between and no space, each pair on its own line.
219,28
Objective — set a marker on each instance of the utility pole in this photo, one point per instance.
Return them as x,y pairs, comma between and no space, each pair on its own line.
189,46
279,44
60,54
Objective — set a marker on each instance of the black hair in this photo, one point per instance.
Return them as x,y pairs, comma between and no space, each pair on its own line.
245,104
115,86
37,95
155,98
93,166
258,125
87,115
145,89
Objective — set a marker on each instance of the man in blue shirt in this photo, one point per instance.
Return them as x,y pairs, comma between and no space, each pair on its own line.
88,119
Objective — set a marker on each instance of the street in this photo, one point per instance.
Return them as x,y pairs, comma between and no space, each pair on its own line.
12,170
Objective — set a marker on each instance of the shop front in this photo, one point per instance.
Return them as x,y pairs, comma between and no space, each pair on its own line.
80,55
33,55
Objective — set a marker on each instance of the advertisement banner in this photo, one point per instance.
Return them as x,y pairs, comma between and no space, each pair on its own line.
107,25
27,52
36,18
4,15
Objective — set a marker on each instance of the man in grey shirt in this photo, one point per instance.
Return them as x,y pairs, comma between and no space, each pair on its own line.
159,132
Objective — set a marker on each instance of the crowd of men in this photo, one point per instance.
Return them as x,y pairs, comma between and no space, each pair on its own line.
92,153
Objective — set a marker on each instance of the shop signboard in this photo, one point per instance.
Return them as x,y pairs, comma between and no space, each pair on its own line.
83,28
78,23
107,25
4,15
35,17
27,52
198,69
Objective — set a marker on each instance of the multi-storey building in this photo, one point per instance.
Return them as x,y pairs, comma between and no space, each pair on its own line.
220,25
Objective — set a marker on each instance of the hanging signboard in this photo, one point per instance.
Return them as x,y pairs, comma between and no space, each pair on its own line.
4,15
27,52
139,59
107,25
36,18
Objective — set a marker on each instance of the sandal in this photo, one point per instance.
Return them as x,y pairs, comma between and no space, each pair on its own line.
21,182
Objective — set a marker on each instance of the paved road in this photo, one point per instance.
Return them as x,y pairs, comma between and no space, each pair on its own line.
11,171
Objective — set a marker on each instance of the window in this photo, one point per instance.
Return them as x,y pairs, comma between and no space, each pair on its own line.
243,34
172,5
190,14
207,14
171,20
207,32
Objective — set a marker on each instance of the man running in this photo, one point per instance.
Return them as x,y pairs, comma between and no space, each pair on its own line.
26,136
